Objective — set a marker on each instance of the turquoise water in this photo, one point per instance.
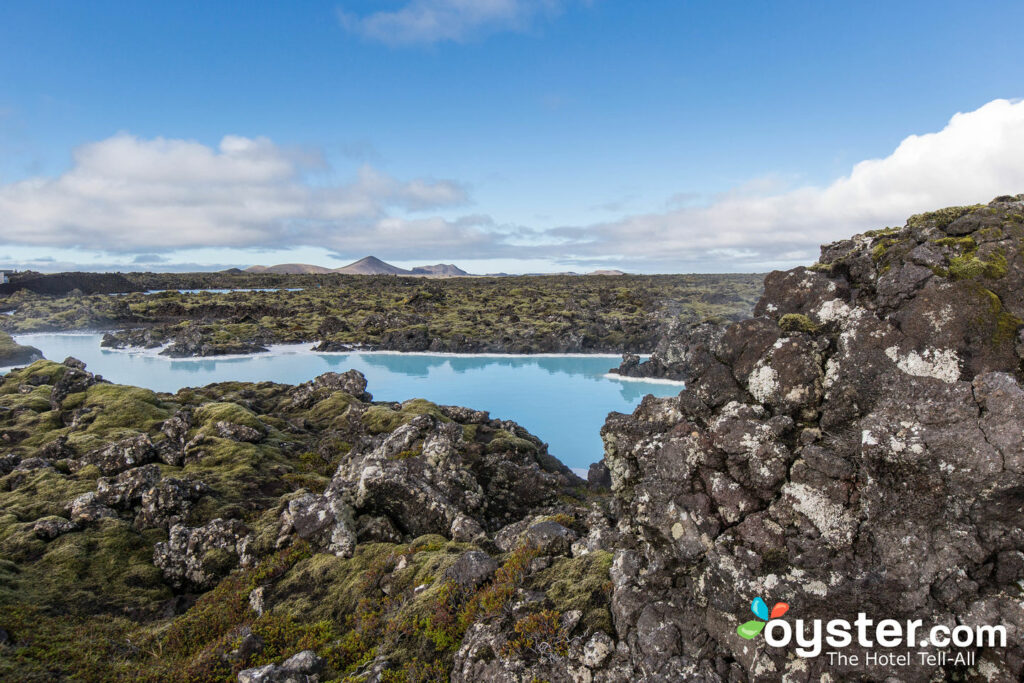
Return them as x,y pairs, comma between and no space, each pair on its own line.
562,399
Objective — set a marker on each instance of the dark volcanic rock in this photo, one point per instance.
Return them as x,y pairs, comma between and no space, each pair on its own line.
119,456
472,569
855,448
198,557
192,342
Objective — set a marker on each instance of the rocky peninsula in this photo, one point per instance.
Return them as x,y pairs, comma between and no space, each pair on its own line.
339,312
12,353
856,446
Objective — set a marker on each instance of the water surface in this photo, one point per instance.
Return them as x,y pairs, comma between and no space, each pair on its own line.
563,399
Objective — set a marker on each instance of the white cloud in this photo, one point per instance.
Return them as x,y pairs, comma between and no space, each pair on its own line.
130,194
433,21
976,157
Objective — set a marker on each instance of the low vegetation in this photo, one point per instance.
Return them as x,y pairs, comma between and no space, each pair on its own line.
83,597
511,314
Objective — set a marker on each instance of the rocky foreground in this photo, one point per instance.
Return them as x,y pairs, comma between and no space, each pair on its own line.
858,446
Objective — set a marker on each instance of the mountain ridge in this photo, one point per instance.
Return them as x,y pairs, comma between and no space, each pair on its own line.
368,265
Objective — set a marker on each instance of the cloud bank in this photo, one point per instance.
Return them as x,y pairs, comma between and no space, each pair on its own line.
133,196
126,194
976,157
432,21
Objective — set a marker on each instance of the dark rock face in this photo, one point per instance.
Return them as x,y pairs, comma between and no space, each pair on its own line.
191,342
472,569
63,283
424,478
122,455
73,380
198,557
855,447
351,382
303,667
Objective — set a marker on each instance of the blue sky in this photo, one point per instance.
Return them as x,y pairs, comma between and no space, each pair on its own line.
514,135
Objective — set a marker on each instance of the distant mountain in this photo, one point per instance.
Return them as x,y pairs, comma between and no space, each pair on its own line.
606,272
289,269
371,265
441,269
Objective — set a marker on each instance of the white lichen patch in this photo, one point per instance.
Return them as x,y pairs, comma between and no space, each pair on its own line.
834,310
831,373
941,318
832,520
941,364
763,382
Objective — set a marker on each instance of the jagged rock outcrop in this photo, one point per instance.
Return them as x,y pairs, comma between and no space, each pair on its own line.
426,478
855,447
191,341
303,667
197,557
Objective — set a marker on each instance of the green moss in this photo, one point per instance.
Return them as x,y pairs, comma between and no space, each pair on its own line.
41,493
796,322
969,267
381,418
534,313
37,400
119,407
212,413
507,441
990,234
409,453
966,243
580,583
329,410
943,217
1006,324
107,566
880,249
40,372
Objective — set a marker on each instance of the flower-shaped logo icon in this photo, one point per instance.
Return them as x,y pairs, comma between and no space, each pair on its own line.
750,629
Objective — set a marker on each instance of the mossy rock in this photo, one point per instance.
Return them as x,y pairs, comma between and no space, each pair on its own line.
379,419
580,583
120,407
943,217
969,267
210,414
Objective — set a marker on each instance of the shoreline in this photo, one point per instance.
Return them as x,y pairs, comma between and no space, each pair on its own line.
305,348
648,380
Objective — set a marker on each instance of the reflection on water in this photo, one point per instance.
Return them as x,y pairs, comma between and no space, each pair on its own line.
562,399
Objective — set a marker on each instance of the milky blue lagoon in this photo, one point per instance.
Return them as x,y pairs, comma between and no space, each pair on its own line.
563,399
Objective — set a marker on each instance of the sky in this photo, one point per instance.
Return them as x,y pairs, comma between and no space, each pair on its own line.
500,135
